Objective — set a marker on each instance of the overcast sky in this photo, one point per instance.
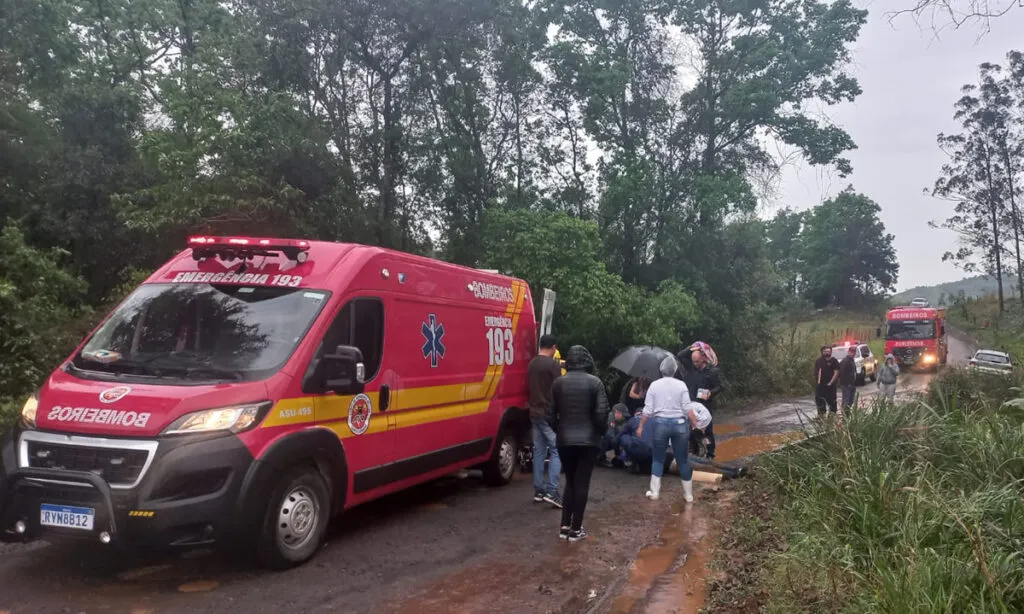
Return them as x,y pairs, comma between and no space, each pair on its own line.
911,77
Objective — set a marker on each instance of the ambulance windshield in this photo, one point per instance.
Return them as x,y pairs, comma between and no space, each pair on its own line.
202,332
907,330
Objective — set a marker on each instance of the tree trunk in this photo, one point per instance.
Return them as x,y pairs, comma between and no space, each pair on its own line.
999,262
387,189
1014,216
994,211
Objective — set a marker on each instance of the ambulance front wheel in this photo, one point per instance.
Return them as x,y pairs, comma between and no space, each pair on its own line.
296,519
499,470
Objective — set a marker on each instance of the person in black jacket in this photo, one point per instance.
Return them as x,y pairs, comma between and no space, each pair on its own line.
848,378
704,383
578,411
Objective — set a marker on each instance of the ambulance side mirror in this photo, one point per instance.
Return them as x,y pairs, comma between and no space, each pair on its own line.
343,372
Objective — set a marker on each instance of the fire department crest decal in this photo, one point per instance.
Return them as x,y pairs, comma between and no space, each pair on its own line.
115,394
359,411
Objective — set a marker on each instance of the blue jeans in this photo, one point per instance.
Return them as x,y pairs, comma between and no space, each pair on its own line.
544,445
635,449
676,431
849,396
610,441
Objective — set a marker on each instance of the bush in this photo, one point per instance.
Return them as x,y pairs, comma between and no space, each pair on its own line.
912,507
40,306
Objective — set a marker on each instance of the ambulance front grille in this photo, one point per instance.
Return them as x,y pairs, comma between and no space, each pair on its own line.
120,467
122,463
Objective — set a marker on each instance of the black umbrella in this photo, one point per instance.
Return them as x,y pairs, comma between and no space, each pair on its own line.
641,361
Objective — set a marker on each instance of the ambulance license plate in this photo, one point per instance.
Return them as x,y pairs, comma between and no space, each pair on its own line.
66,516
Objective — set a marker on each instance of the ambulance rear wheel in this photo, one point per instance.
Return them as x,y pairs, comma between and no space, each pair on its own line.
499,470
296,519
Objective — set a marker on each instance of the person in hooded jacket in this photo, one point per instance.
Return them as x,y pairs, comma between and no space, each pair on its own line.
578,411
887,377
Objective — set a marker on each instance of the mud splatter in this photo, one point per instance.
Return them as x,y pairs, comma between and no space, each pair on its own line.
750,445
199,586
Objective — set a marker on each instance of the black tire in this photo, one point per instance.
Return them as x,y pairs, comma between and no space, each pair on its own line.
300,493
874,377
860,379
499,469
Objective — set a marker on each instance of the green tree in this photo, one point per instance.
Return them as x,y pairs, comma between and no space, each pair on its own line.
784,232
846,255
39,302
595,307
984,171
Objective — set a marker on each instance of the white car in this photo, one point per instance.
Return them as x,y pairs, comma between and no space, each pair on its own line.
919,302
867,364
991,361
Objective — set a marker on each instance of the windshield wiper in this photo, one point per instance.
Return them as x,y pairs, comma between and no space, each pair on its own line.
214,371
189,365
120,367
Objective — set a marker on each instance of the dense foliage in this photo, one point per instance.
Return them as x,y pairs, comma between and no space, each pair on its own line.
835,254
610,150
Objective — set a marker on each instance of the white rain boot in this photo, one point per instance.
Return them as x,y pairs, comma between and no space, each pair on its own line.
655,489
688,490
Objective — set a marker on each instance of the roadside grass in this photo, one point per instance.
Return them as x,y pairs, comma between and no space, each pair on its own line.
915,507
846,326
981,319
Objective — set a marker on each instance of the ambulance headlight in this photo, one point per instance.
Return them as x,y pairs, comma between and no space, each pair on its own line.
28,411
234,419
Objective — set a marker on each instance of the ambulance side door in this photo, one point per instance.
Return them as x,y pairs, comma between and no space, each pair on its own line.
357,419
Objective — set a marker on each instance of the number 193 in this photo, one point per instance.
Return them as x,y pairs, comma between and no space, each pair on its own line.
499,341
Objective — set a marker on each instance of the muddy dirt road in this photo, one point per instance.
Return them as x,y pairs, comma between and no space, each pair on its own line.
452,546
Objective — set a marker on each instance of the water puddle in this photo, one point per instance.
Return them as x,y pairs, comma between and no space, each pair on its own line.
669,577
750,445
727,429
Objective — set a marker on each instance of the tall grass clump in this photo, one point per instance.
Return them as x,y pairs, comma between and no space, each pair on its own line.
914,507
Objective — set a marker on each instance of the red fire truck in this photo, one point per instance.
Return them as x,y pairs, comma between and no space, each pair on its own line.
916,336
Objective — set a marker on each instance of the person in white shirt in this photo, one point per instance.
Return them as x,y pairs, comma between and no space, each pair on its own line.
700,420
699,415
665,407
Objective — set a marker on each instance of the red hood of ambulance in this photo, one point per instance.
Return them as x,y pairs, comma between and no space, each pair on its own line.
92,407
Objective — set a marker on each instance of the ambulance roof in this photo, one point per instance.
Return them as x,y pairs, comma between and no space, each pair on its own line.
309,264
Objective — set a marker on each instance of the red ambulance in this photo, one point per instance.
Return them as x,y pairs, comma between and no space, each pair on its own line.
252,388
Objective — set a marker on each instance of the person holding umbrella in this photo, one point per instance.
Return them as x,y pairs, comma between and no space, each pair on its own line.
633,394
